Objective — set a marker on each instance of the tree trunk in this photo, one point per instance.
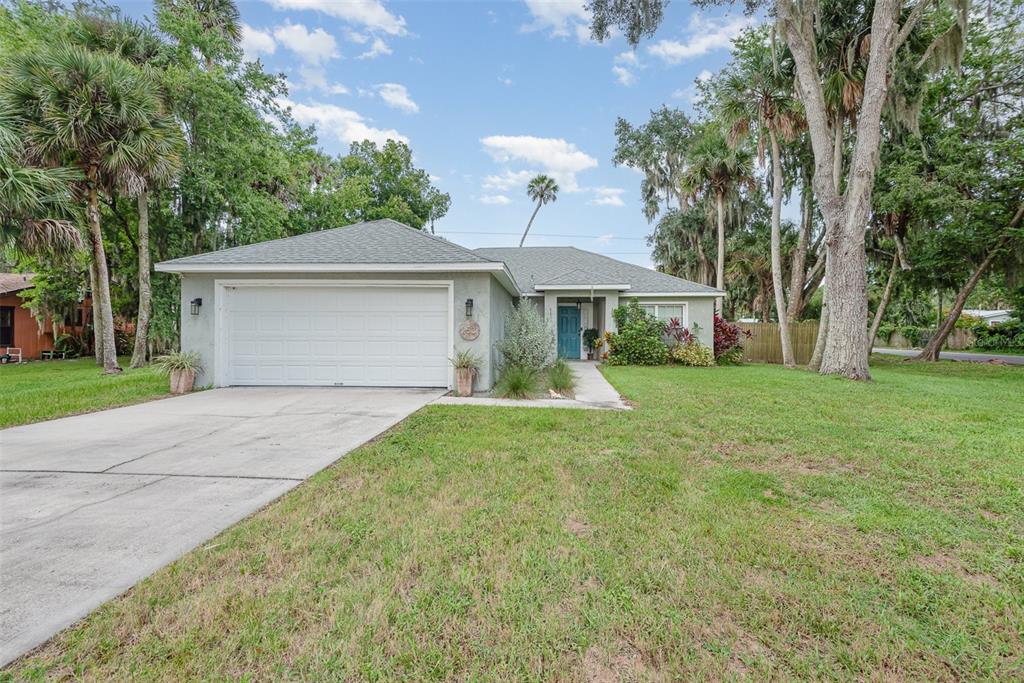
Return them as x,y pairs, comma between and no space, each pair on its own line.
884,302
846,350
845,214
145,292
776,248
720,264
102,290
97,324
527,231
819,343
799,264
935,344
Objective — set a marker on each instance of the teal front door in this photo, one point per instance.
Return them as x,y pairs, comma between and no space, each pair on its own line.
568,332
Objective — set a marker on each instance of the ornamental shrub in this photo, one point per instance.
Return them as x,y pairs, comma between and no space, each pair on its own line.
638,341
529,342
728,337
693,354
518,382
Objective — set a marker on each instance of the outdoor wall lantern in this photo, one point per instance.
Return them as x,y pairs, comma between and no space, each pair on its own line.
469,308
195,304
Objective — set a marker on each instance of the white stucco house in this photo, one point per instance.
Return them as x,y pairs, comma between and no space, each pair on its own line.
383,304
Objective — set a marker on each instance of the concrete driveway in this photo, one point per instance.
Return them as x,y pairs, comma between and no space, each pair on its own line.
91,504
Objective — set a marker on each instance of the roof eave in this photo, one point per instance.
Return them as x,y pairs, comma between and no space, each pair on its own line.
497,268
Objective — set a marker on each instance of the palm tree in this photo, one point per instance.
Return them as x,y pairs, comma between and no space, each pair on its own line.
95,112
714,168
543,190
159,168
756,95
35,203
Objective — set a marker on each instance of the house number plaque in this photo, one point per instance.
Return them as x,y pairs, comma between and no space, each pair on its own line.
469,330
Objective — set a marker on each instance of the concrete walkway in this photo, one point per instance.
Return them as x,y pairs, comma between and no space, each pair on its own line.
593,392
1009,359
91,504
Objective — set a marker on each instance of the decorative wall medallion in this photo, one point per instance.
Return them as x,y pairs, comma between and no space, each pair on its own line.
469,330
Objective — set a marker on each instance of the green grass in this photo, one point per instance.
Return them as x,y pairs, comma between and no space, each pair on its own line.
740,522
45,390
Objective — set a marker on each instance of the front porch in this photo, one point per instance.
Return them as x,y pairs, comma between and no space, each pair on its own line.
570,312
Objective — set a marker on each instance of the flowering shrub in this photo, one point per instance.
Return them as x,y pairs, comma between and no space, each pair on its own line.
529,342
638,341
728,341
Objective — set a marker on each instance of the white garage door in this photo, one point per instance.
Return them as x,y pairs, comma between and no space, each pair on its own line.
336,336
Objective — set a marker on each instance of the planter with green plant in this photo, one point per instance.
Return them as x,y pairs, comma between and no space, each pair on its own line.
182,367
591,339
467,366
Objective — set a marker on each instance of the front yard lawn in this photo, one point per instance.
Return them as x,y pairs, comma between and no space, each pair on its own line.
740,522
46,390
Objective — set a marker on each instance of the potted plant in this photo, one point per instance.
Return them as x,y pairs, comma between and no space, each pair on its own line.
467,364
590,337
182,368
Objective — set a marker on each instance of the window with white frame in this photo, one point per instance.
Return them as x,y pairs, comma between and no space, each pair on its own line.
666,311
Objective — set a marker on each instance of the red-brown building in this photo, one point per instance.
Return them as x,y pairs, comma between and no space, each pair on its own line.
19,328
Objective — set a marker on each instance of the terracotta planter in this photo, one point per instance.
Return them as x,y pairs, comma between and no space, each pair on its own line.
464,381
182,381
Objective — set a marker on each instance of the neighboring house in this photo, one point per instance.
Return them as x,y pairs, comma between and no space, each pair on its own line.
19,328
383,304
989,317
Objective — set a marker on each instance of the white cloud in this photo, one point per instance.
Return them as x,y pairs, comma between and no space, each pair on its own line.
356,37
313,47
344,124
378,48
691,93
505,81
628,58
608,196
561,17
371,14
508,180
559,158
704,36
396,96
315,78
255,42
604,239
495,199
624,76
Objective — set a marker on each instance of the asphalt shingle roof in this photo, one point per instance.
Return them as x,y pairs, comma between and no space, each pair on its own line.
381,241
532,266
15,282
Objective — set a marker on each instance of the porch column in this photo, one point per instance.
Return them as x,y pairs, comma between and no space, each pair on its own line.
551,312
611,302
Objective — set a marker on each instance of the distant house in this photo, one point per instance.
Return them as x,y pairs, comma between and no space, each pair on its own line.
18,327
989,317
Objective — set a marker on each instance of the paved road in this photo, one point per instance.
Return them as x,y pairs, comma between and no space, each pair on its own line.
956,355
91,504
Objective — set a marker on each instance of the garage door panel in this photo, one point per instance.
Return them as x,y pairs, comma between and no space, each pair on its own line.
328,335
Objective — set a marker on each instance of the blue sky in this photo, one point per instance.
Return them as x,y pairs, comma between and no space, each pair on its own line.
488,94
